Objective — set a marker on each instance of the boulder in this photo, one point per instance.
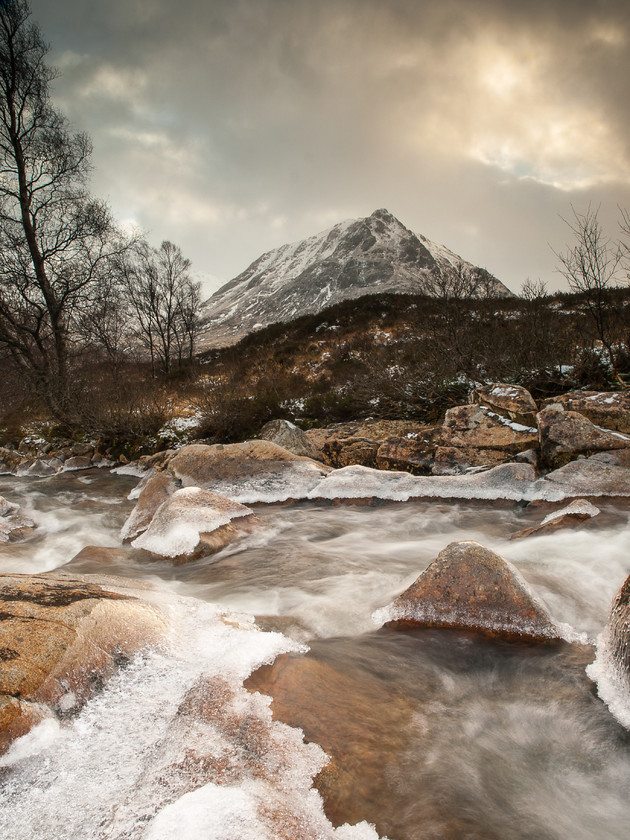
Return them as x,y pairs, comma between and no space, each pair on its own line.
575,513
475,436
407,454
510,401
193,523
254,471
470,587
61,637
289,437
610,409
14,524
566,434
9,461
77,462
157,489
158,461
345,452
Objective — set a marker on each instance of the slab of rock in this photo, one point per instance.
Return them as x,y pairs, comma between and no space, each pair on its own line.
155,491
610,409
566,434
345,452
193,523
61,637
511,401
289,437
590,477
575,513
413,456
470,587
453,460
254,471
14,523
9,461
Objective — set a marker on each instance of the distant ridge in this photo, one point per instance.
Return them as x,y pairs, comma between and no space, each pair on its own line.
354,258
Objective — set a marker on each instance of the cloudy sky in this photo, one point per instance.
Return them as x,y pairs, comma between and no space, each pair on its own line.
234,126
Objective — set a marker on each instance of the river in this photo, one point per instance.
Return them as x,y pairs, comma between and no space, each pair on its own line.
440,734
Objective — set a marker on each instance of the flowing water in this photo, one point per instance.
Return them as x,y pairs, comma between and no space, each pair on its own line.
434,734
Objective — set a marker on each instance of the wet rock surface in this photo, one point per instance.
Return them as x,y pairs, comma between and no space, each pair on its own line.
469,586
61,637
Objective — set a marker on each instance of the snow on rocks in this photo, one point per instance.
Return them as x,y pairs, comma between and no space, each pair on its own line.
470,587
183,525
578,511
510,401
610,409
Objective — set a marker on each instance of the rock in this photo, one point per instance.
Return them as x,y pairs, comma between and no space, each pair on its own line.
578,511
566,434
616,457
157,461
61,637
289,437
254,471
156,491
82,449
344,452
470,587
14,524
407,454
194,523
77,462
610,409
9,461
509,401
452,460
591,477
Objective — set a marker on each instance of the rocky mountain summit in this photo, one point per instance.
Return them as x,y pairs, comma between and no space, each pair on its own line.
354,258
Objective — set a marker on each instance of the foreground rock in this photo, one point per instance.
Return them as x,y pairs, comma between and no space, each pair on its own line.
470,587
574,514
61,637
476,436
14,523
254,471
194,523
566,434
289,437
610,409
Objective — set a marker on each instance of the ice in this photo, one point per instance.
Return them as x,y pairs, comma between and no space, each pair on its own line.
288,480
130,469
180,520
579,506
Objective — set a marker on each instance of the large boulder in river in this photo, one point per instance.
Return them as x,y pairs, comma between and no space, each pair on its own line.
610,409
510,401
254,471
61,637
574,514
289,437
470,587
195,523
566,434
155,490
473,435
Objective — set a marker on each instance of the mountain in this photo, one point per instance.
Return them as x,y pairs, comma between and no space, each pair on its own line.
354,258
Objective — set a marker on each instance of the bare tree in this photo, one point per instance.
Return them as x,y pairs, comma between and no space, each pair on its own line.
591,267
55,239
164,301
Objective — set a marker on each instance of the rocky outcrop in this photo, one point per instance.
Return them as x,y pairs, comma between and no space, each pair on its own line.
610,409
470,587
61,637
343,452
289,437
566,434
194,523
574,514
14,523
256,470
475,436
510,401
408,454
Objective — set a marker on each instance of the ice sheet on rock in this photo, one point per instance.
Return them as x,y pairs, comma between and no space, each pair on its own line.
179,521
147,475
579,506
292,480
586,477
612,683
507,481
130,469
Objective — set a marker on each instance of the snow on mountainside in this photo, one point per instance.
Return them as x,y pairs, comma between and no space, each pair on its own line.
354,258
